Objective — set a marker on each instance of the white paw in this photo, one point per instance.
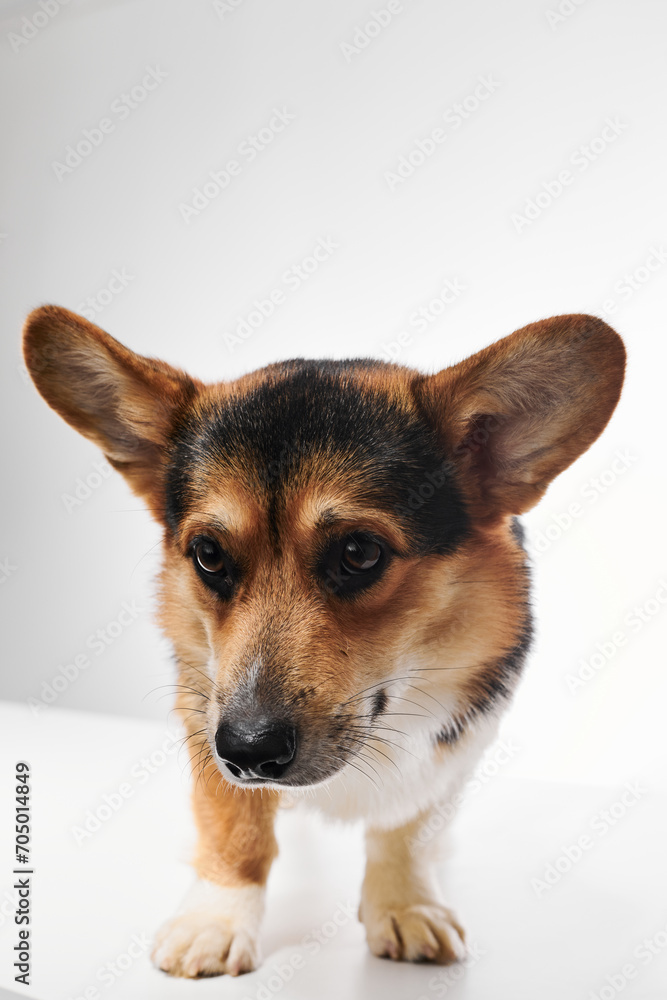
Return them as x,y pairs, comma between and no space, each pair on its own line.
421,932
215,933
192,945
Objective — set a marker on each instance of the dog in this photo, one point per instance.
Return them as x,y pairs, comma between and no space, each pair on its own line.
345,588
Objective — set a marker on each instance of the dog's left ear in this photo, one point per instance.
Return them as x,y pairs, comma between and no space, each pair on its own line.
127,404
519,412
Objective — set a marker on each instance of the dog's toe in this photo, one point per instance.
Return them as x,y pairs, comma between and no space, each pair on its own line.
416,933
195,945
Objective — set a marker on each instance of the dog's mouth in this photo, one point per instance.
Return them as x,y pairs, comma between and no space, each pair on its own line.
304,771
279,754
309,778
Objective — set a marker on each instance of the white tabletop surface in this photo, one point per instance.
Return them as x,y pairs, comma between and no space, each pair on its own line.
91,900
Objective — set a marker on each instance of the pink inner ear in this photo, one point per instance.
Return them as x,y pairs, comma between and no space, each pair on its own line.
478,446
522,410
498,444
480,433
477,434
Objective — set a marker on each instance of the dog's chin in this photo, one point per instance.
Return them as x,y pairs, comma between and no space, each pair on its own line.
299,780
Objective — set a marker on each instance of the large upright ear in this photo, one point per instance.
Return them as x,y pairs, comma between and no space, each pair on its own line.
519,412
125,403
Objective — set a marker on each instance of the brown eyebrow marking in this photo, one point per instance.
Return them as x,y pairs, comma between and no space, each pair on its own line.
327,517
204,522
354,518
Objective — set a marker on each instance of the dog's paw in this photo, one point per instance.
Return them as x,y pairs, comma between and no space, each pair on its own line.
215,933
417,933
194,945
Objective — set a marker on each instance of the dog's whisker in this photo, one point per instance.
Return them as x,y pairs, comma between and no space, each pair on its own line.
174,686
189,736
186,715
390,743
201,769
409,715
196,757
211,775
146,553
351,763
364,757
200,670
365,744
371,728
386,683
374,722
408,701
427,695
196,766
421,670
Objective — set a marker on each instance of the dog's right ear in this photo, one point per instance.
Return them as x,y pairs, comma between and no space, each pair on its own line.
519,412
127,404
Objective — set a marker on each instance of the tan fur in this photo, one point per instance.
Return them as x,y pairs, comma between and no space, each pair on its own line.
236,841
400,902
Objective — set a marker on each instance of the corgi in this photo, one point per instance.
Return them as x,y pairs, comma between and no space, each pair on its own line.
345,588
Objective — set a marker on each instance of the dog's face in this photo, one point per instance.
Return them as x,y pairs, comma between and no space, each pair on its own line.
310,509
334,531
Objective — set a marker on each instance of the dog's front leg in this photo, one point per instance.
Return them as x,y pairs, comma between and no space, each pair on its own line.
400,905
216,929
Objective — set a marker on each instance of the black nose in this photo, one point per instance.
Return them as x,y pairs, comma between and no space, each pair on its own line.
259,749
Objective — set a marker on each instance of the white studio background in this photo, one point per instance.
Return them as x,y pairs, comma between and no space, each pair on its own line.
357,89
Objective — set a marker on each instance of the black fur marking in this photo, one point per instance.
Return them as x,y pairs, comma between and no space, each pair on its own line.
379,702
388,456
498,680
497,684
451,733
519,532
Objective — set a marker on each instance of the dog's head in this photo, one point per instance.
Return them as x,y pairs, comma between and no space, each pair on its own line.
337,532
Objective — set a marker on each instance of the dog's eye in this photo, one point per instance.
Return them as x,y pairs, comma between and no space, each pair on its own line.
214,566
352,563
360,554
210,556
